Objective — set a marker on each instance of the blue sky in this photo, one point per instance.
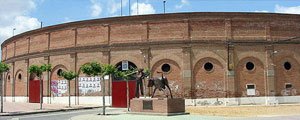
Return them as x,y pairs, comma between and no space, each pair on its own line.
26,15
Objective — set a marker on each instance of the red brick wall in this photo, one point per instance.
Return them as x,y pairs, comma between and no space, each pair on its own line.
20,84
128,33
38,43
284,28
3,55
8,86
208,30
92,35
209,83
22,46
62,39
174,77
10,50
196,27
161,31
255,76
248,30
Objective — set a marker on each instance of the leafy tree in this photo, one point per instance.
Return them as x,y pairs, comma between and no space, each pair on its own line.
38,71
69,75
96,69
3,68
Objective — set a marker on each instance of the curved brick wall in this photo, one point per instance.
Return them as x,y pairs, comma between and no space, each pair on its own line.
186,41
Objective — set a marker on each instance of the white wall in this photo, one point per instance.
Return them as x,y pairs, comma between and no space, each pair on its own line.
244,101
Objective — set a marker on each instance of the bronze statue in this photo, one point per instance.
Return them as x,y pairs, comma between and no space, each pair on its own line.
139,82
159,83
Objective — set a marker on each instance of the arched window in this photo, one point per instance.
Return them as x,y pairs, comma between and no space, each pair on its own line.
131,66
59,72
19,77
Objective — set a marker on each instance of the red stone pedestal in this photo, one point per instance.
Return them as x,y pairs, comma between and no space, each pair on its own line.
157,106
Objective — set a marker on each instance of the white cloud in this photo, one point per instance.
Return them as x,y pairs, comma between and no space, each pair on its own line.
14,14
290,10
116,6
261,11
144,8
96,9
182,3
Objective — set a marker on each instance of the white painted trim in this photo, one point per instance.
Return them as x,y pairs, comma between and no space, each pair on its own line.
264,100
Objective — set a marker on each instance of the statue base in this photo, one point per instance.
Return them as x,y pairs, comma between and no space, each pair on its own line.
157,106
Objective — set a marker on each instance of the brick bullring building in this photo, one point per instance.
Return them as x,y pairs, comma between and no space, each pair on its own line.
204,55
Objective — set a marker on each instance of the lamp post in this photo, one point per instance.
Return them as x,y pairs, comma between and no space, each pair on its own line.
164,6
129,8
121,7
137,7
14,31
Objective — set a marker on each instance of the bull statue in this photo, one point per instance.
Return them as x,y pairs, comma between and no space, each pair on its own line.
159,83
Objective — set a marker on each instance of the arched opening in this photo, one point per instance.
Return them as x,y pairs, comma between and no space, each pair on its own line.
59,86
249,73
172,71
119,91
208,79
34,89
125,65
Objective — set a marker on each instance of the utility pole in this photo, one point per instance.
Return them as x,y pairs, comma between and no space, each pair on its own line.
164,6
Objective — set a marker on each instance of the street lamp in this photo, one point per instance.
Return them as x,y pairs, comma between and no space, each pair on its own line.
164,6
14,32
129,8
121,7
137,7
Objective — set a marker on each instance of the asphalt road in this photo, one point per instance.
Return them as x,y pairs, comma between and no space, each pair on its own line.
59,115
69,114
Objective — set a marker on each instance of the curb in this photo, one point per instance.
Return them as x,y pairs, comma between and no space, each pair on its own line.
47,111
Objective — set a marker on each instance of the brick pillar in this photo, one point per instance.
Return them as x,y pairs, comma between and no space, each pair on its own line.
231,89
187,72
269,69
27,79
231,61
146,53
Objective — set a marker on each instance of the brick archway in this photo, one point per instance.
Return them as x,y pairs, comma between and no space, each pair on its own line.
285,76
209,83
245,77
58,84
20,83
174,76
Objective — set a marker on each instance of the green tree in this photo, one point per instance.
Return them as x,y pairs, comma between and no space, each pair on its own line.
69,75
96,69
3,68
38,71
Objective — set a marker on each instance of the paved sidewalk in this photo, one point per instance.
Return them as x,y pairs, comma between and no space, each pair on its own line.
14,108
147,117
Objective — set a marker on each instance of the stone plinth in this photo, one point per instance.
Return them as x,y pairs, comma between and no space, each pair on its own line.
158,106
